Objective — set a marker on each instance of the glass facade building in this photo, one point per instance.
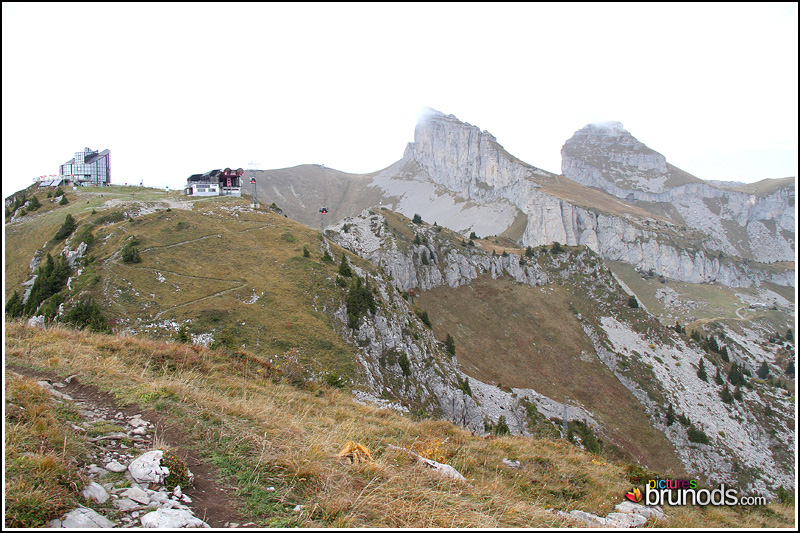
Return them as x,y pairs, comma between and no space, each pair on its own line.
88,167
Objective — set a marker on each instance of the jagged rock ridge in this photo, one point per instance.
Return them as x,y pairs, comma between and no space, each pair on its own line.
621,199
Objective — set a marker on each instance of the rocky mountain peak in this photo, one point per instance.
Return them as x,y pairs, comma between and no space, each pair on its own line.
461,157
605,155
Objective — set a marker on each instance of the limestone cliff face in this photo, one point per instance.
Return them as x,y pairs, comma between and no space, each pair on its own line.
450,159
738,223
465,159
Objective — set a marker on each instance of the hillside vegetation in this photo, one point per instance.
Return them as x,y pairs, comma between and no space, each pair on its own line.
262,430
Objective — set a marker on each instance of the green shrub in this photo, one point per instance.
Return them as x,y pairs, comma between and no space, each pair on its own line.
405,364
306,252
360,301
14,307
327,257
697,435
417,219
51,278
450,344
423,315
130,254
66,228
701,371
33,205
87,313
501,428
633,303
344,268
463,385
182,335
64,200
726,395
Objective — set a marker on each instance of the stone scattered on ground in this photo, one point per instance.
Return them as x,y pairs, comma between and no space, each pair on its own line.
628,514
130,485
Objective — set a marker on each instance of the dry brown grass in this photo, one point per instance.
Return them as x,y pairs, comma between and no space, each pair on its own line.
262,432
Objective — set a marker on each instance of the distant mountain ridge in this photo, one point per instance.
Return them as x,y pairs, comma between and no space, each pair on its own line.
617,196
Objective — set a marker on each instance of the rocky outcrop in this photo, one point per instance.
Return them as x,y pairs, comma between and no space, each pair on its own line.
448,264
396,332
738,223
740,439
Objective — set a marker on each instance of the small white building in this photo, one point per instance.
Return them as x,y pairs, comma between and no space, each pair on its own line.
215,183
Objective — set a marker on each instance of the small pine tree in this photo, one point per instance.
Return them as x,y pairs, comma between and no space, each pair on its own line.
590,443
463,384
64,200
789,335
726,395
724,354
501,428
556,249
790,369
405,364
450,344
425,257
633,303
735,376
737,394
14,306
417,240
344,268
473,236
697,435
34,204
718,378
306,253
528,252
326,257
182,335
66,228
763,370
670,415
417,219
130,254
423,315
701,372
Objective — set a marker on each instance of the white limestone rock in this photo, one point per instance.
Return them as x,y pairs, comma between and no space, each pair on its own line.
147,468
82,518
171,518
95,491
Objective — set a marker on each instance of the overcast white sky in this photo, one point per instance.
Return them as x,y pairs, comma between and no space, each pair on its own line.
177,89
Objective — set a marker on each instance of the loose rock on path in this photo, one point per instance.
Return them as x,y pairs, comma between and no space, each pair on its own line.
126,485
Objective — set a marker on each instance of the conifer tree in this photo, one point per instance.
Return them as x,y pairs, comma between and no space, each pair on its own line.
450,344
701,371
344,267
14,306
763,370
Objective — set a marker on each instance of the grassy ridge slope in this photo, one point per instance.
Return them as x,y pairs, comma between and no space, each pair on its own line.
261,431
